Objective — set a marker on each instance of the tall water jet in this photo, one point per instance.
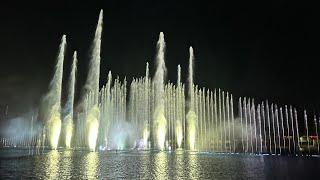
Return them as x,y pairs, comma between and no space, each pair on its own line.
282,129
68,120
159,118
241,123
107,113
178,75
246,121
264,126
146,130
53,100
297,127
307,129
191,115
260,132
269,127
288,128
178,118
92,87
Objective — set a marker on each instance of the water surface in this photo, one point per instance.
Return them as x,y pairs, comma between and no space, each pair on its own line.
154,165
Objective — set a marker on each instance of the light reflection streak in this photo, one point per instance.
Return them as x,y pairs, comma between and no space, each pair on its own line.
180,165
66,165
92,163
192,164
161,166
51,165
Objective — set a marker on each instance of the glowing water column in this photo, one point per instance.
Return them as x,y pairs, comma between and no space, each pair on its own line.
53,98
160,122
191,115
68,120
146,130
92,87
178,118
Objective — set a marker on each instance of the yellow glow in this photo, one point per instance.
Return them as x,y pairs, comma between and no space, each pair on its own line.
93,127
66,164
54,126
161,136
191,118
179,135
161,166
91,161
161,124
69,130
192,161
52,165
180,165
145,137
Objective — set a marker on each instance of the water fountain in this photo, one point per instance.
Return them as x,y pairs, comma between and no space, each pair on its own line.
92,89
160,122
191,115
52,101
153,113
68,125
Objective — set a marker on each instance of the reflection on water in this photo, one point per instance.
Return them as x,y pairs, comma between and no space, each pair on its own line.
51,165
144,159
66,165
180,166
192,163
155,165
160,166
91,162
54,165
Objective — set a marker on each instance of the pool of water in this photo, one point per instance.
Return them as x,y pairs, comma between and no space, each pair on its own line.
154,165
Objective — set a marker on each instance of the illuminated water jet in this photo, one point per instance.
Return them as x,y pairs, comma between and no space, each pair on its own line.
155,116
54,128
93,127
191,115
53,99
92,87
146,131
68,120
179,115
158,116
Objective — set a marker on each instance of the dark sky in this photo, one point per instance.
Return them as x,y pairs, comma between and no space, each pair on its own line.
263,50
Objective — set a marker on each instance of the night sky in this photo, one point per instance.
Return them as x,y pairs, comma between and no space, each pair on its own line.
266,51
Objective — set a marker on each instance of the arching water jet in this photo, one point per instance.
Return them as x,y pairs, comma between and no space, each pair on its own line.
92,87
53,99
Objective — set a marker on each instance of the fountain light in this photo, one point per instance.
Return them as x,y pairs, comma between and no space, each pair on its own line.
55,128
191,117
161,129
93,127
69,131
179,136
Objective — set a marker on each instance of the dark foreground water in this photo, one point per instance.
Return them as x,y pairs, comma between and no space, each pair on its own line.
154,165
